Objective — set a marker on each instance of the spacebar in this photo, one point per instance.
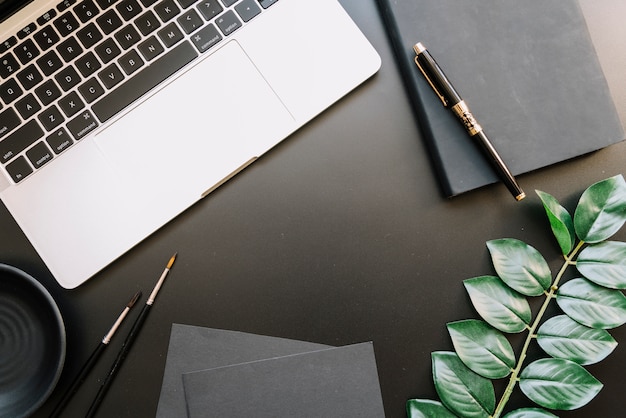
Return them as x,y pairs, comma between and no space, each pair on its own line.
144,81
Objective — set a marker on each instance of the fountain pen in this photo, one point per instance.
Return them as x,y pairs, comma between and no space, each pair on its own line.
451,100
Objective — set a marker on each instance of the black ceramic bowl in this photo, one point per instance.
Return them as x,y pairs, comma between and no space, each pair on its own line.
32,343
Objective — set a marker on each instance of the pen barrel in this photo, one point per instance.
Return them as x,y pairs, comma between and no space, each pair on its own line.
437,79
498,164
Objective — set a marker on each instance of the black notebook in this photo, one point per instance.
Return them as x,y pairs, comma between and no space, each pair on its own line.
528,71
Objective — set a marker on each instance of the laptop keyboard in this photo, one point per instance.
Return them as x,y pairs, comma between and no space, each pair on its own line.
80,64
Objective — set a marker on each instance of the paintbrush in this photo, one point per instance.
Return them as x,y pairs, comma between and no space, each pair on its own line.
130,339
91,361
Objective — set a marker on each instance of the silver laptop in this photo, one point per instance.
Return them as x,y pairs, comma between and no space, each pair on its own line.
117,115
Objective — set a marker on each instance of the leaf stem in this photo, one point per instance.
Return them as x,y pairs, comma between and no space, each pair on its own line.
514,378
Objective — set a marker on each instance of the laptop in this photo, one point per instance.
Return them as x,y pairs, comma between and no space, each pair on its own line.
117,115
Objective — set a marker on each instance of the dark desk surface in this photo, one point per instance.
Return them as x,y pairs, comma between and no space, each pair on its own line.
340,235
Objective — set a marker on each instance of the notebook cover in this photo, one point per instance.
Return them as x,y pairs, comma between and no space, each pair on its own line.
193,348
333,382
527,69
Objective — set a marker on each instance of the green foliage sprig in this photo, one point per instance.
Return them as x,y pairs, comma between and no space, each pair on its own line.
591,304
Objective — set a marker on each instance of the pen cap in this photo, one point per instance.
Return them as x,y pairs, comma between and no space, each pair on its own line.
435,76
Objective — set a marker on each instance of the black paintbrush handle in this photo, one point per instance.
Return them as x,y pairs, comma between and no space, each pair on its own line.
130,339
78,380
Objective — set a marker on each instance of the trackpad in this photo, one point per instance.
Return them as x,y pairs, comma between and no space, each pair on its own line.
199,128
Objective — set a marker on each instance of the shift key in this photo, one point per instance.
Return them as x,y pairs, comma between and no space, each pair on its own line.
19,140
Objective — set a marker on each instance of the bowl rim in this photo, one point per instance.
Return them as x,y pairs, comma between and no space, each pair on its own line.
60,361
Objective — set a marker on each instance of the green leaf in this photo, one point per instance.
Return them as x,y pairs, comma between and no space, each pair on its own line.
464,392
592,305
424,408
483,349
530,413
562,337
498,304
604,264
601,210
560,221
520,266
558,384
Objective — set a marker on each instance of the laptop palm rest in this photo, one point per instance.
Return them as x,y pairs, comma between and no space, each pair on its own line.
152,163
174,134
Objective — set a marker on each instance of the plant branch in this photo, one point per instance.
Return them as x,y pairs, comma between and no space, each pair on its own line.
514,378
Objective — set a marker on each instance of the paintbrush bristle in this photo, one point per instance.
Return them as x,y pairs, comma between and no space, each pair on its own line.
132,302
171,262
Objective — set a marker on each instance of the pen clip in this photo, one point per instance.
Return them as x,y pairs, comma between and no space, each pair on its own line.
432,85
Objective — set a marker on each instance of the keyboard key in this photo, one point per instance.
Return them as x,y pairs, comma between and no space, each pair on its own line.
186,3
19,140
128,9
209,8
26,51
82,124
65,4
228,22
46,17
19,169
148,3
46,38
29,77
144,80
48,92
105,4
131,62
8,44
50,63
59,140
206,37
111,76
10,91
91,90
127,36
166,10
170,34
8,65
67,78
107,50
39,155
89,35
267,3
66,24
150,48
109,22
87,64
27,30
247,9
228,3
27,106
69,49
50,118
8,121
190,21
147,23
71,104
85,10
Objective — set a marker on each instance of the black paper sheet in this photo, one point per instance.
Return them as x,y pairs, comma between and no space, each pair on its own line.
218,373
